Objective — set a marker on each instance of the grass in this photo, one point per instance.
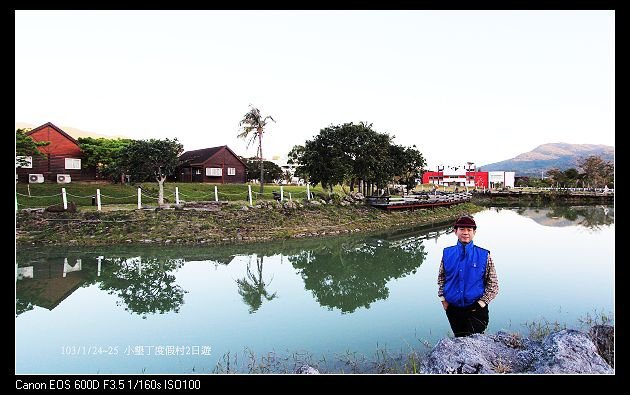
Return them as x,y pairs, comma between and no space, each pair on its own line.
117,196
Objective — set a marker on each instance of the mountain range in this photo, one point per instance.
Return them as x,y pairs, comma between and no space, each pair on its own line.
560,156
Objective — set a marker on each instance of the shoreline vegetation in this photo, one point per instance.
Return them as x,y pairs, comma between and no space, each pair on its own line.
208,222
231,223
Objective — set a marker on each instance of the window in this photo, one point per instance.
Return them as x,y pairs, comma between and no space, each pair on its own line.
231,171
214,171
24,162
198,172
73,163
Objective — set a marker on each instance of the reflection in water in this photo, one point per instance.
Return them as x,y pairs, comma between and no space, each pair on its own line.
252,287
144,285
592,217
351,274
346,272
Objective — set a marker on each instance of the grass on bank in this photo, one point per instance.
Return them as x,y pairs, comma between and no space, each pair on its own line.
47,194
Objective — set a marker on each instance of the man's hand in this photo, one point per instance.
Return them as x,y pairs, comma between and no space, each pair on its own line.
445,304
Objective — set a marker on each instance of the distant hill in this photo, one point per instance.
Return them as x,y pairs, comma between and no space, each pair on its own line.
548,156
74,132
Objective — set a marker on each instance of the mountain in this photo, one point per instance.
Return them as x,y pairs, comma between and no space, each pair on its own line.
74,132
548,156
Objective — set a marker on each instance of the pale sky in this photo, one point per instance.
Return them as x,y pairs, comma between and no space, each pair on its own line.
479,86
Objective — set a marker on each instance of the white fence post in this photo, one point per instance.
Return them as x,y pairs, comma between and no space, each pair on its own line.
290,197
16,204
176,195
308,192
65,199
249,191
281,194
98,199
139,198
216,194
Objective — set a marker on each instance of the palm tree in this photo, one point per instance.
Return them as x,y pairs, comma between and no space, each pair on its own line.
253,125
253,288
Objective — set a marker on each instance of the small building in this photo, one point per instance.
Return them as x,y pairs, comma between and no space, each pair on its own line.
216,164
63,158
463,175
468,176
501,179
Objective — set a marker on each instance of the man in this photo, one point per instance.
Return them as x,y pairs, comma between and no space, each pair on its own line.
467,281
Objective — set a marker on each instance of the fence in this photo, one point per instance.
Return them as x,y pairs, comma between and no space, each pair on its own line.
99,199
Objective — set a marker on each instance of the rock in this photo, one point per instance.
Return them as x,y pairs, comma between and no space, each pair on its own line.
567,351
604,338
306,369
58,208
244,208
571,351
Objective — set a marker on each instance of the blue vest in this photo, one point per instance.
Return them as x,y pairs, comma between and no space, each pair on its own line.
465,269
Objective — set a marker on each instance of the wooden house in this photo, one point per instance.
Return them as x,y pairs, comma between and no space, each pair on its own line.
217,165
63,158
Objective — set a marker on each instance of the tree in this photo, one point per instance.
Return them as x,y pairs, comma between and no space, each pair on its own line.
145,159
145,286
350,153
253,288
104,155
26,146
253,124
597,172
272,172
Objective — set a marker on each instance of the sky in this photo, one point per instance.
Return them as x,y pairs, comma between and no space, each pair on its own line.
478,86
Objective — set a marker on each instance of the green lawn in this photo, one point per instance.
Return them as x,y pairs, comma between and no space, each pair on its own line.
125,196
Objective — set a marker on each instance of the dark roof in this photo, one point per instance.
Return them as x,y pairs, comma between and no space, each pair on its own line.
199,155
202,155
66,135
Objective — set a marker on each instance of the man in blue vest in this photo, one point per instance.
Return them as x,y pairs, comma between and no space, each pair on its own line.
467,281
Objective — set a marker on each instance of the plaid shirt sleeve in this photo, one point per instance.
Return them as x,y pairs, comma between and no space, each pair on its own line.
441,280
491,282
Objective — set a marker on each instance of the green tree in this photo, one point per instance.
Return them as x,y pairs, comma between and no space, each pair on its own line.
145,286
253,124
145,159
26,146
349,273
272,172
104,155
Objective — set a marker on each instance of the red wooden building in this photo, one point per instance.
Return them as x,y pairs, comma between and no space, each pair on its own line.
62,158
216,164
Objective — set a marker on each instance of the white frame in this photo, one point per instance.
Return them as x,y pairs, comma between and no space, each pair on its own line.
73,164
231,171
214,171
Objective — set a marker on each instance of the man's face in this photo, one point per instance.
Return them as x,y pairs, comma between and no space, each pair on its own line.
465,235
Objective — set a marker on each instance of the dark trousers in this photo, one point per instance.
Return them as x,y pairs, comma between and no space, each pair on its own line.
467,320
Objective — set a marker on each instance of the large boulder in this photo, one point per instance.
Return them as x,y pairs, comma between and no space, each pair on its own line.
567,351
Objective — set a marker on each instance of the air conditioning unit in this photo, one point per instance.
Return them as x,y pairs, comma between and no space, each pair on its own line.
35,178
63,178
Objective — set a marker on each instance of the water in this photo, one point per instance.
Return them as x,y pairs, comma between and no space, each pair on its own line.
181,310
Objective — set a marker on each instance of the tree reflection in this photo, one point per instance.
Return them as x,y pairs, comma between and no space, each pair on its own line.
592,217
351,274
252,287
145,286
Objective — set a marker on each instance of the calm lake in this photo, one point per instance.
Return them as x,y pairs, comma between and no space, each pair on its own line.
160,309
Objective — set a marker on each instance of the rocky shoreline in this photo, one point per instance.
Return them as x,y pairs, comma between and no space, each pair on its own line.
218,223
565,352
